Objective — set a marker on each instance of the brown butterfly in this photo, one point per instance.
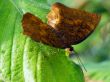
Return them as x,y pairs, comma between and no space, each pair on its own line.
66,26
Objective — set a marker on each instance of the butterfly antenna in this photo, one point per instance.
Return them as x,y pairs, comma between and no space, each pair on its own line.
80,61
72,52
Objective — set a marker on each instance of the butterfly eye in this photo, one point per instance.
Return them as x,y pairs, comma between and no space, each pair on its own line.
71,48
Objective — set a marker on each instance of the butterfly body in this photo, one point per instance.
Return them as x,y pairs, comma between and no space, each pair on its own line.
66,26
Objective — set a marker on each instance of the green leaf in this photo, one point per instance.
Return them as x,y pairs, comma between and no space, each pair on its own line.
24,60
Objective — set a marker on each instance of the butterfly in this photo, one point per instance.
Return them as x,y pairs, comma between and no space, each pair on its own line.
65,26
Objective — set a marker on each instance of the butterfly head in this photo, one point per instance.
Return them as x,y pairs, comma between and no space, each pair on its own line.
69,51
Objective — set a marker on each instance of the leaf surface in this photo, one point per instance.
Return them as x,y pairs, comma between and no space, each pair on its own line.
24,60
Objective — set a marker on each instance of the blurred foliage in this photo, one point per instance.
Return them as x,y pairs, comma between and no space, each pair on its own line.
100,38
100,71
95,50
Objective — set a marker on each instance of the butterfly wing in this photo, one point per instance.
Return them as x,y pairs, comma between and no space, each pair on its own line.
75,25
66,26
41,32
